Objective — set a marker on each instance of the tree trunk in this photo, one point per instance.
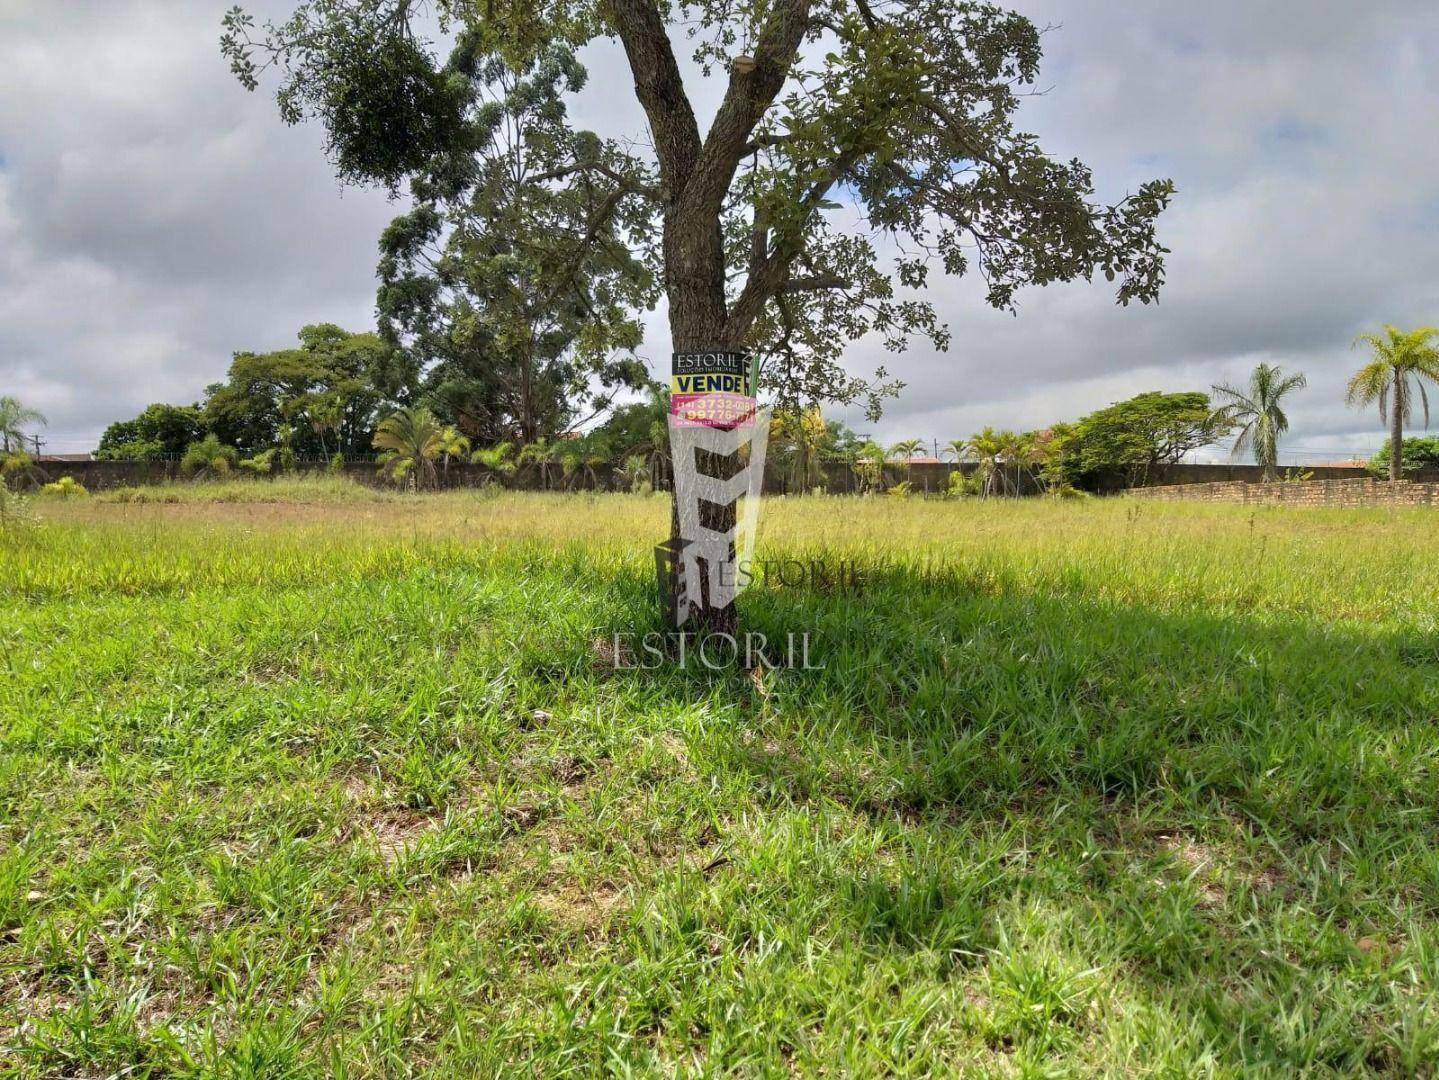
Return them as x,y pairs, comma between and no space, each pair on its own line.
1396,430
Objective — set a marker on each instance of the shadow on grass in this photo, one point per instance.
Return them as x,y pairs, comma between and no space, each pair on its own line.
1231,812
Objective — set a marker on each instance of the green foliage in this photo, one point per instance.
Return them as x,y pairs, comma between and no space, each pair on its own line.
1130,438
870,459
635,474
14,419
1258,413
530,308
260,464
965,484
14,510
160,431
499,459
1401,361
384,105
67,487
1420,452
909,108
208,458
321,398
409,441
17,468
799,441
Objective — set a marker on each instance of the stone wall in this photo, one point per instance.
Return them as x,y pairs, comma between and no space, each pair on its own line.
1359,491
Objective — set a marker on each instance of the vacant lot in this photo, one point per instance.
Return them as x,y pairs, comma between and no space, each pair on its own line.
347,783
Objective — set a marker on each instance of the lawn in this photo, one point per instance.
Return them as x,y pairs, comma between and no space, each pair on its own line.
304,779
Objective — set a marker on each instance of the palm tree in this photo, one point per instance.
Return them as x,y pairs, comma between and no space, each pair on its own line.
451,444
544,455
988,447
409,441
497,459
14,418
1259,413
1396,356
906,448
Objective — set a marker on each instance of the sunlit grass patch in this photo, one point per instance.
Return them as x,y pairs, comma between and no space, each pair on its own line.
1084,788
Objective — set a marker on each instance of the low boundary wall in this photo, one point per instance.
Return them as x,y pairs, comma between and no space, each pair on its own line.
1365,491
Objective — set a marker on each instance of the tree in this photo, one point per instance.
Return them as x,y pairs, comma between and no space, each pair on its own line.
409,440
797,439
520,294
1400,362
329,392
898,113
870,460
990,448
1420,452
905,449
1131,438
160,431
1259,414
14,419
498,460
642,428
451,444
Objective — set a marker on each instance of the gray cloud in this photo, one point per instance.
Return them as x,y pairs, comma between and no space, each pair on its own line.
154,217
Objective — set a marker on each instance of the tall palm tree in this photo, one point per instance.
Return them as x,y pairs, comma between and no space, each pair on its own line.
409,441
1259,414
14,418
1396,357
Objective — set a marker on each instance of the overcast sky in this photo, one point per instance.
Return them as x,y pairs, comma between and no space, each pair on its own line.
155,217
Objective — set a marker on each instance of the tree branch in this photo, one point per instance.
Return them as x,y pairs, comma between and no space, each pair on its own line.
626,183
660,90
749,95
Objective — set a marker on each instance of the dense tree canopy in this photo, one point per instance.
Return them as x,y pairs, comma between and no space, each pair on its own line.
1129,438
519,294
1421,452
856,146
159,431
322,398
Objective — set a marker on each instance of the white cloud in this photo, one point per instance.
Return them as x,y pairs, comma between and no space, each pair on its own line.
154,217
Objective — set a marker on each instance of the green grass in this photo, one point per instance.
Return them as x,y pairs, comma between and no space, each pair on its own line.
336,782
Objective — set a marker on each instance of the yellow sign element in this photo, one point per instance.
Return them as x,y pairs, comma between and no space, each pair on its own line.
709,383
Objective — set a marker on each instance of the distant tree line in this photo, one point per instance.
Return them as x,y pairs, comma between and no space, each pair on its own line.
344,396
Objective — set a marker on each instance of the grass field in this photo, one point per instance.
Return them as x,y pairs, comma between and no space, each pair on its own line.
305,779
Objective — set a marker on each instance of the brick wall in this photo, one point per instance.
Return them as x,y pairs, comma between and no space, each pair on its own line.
1361,491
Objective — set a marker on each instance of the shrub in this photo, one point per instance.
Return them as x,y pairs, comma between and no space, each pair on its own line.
67,487
14,510
964,485
260,464
903,490
208,457
1420,452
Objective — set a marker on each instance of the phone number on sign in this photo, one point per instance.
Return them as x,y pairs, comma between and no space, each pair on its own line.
711,410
